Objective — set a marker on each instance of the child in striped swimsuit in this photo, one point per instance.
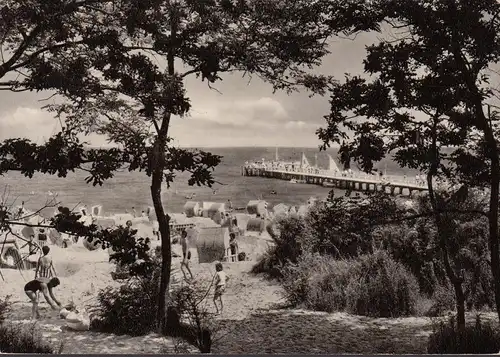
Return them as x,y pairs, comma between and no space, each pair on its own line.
45,268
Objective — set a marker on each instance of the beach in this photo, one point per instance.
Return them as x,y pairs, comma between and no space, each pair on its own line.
83,273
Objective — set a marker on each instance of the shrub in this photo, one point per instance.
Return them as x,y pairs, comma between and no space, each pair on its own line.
381,287
130,309
443,300
317,282
23,339
415,246
479,338
188,301
371,285
289,236
342,226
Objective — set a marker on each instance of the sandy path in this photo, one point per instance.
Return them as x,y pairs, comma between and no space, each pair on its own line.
245,293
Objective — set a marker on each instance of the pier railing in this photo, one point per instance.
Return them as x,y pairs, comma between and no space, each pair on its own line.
418,181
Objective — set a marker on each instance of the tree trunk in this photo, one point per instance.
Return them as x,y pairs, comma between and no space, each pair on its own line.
443,230
493,211
460,303
443,244
158,165
158,157
483,124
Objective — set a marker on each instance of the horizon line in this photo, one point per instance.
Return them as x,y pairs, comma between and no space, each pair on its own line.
233,147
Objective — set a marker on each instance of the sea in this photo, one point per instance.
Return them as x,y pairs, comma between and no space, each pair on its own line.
132,189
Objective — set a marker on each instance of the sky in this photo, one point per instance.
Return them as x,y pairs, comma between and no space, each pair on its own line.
240,113
244,113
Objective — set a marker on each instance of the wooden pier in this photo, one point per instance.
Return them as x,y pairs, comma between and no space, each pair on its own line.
393,185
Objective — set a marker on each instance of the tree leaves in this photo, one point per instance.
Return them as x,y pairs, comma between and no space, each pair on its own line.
420,70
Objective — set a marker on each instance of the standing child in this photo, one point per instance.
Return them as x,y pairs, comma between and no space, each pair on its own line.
45,267
186,255
220,286
156,229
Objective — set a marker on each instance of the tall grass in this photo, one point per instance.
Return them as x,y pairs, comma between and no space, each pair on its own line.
371,285
478,338
23,339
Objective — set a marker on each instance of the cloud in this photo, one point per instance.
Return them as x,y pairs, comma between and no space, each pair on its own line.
201,133
254,112
26,122
295,124
37,125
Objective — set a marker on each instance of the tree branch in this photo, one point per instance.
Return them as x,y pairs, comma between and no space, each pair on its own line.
7,66
187,73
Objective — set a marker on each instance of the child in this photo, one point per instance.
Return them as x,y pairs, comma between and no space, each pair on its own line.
45,267
186,255
34,286
220,285
42,237
156,229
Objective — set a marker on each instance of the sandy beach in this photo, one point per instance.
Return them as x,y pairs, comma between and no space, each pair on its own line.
83,273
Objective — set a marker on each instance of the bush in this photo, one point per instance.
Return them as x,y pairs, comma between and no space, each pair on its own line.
443,300
130,309
317,282
381,287
416,247
133,307
371,285
269,265
198,330
290,238
23,339
447,339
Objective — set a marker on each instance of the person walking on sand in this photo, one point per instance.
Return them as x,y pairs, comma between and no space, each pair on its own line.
156,229
42,237
220,286
45,268
20,212
186,255
33,287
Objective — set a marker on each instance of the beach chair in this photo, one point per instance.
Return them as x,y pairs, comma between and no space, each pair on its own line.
230,258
